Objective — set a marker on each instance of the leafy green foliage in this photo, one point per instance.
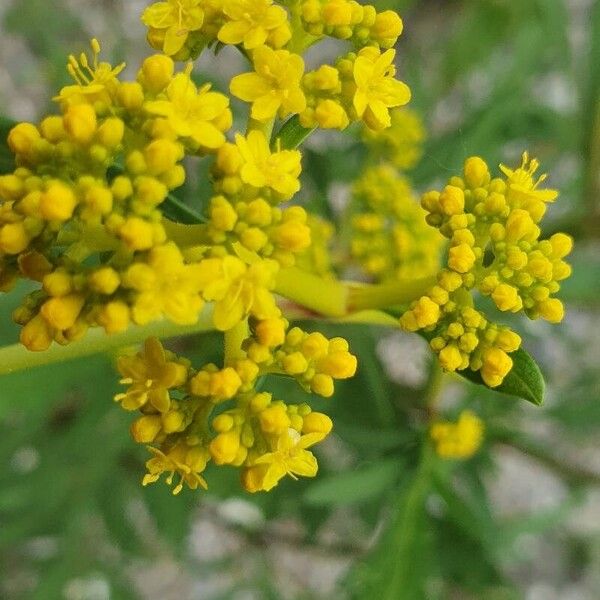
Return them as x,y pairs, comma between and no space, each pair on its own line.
525,379
6,157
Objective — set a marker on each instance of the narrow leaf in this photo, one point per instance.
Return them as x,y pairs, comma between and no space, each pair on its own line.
353,487
525,379
292,134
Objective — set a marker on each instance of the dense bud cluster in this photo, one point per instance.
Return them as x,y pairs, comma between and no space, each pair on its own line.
458,440
349,20
390,238
89,215
188,418
492,225
90,183
401,144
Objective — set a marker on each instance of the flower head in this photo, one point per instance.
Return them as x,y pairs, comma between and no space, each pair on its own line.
274,87
164,285
175,19
186,461
150,375
200,115
290,457
238,289
459,440
251,22
265,169
376,88
91,78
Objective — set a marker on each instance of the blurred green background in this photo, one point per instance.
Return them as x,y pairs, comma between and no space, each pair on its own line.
520,520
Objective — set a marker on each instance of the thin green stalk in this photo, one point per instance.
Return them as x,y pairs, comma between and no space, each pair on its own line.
406,529
17,358
326,297
435,387
386,295
233,342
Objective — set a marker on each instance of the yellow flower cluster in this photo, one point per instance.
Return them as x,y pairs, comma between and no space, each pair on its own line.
317,257
361,85
251,181
349,20
495,248
183,28
390,237
401,144
192,417
84,217
81,214
460,440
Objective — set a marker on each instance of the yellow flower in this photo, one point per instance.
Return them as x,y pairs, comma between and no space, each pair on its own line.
402,143
165,285
200,115
92,79
274,87
522,185
177,18
460,440
187,461
290,458
251,21
238,289
376,89
150,376
263,168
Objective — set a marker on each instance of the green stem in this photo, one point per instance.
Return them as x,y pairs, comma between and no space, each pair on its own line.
385,295
326,297
266,128
186,236
407,529
18,358
233,342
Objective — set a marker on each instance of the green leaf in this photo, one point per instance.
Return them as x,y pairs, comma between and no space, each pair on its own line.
292,134
525,379
356,486
179,212
400,565
7,160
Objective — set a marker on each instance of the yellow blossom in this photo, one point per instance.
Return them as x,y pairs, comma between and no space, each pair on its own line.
187,462
262,168
165,285
376,89
290,457
459,440
150,375
92,79
250,22
274,87
176,18
195,114
238,289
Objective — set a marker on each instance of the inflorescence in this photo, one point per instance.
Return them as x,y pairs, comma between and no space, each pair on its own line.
83,217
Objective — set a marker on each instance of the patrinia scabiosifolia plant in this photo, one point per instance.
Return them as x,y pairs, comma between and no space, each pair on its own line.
90,215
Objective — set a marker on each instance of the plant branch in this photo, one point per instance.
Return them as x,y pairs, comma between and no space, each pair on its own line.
17,358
